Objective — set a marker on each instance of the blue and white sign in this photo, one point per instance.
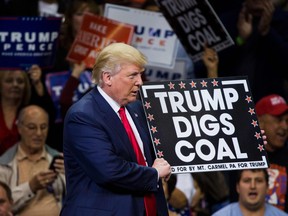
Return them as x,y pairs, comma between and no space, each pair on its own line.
25,41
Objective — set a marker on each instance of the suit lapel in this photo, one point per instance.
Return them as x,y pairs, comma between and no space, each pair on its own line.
114,123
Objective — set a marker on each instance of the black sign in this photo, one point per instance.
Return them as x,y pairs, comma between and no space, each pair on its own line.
204,124
195,24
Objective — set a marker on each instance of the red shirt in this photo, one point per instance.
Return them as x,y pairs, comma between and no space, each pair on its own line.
8,137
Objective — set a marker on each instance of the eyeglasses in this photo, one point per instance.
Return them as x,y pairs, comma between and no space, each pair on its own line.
33,127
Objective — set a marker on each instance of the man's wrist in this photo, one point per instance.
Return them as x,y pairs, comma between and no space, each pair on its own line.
158,176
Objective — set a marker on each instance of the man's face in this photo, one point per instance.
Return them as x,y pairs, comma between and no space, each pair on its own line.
5,203
276,130
252,189
33,130
123,87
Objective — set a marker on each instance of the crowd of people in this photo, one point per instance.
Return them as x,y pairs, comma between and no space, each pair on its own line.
86,164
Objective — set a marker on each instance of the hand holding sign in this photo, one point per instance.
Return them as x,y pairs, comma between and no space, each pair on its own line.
163,168
204,125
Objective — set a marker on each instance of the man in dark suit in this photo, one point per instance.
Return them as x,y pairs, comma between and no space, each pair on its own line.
104,174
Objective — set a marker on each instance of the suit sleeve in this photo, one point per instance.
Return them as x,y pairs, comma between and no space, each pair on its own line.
98,150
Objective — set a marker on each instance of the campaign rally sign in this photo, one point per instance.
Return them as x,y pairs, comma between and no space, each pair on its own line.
153,35
25,41
56,81
204,125
95,33
160,73
195,24
183,68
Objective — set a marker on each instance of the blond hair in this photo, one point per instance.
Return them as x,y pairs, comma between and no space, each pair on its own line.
27,89
113,56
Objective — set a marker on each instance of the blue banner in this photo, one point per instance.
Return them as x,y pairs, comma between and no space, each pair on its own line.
25,41
56,81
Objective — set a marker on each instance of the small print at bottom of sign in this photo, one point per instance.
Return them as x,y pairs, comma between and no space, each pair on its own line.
220,166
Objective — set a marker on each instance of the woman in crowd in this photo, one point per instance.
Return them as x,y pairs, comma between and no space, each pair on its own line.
211,193
73,20
18,89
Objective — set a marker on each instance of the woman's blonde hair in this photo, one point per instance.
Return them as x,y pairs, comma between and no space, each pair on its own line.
27,89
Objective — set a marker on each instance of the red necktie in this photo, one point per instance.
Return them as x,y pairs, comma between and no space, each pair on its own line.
149,198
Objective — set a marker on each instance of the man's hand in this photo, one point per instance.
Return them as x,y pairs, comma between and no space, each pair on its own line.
59,165
35,74
42,180
78,68
163,168
266,17
264,137
244,24
210,59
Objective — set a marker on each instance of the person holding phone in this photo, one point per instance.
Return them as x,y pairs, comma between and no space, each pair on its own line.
36,189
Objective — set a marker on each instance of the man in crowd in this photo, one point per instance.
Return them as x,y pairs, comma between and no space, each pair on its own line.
272,112
251,186
36,190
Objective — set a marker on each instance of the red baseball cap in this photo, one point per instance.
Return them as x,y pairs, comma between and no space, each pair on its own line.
272,104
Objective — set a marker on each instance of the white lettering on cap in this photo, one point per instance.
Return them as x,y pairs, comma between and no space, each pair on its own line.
277,100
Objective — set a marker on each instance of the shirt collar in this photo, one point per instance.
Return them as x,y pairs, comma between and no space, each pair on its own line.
115,106
21,155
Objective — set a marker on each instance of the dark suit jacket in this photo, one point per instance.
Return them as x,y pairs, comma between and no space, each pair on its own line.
103,177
